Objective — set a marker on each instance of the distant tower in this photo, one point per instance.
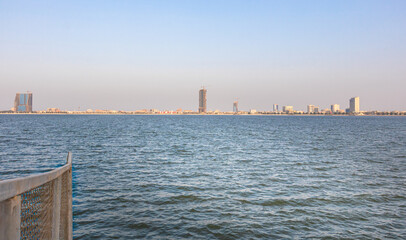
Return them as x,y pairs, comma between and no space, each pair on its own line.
335,108
310,108
235,107
275,108
202,100
354,105
23,102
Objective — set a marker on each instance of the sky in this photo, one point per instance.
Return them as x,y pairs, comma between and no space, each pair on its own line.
129,55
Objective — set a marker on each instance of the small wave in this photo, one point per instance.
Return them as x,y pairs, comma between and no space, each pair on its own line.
312,201
186,198
138,225
322,169
276,202
189,188
178,199
212,226
244,201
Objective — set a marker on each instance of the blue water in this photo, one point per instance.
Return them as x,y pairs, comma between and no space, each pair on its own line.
222,177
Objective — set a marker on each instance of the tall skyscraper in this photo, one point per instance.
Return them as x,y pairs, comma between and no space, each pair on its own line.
354,105
23,102
235,107
275,108
202,100
335,108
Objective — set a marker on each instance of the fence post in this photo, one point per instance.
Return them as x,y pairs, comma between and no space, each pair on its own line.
10,213
70,227
56,208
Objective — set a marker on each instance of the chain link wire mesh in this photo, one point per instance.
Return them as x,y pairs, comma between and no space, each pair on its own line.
65,191
43,212
36,212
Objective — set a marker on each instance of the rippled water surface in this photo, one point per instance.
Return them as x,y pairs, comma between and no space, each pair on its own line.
220,177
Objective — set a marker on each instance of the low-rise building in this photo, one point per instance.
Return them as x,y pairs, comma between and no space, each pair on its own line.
53,110
326,111
335,108
287,109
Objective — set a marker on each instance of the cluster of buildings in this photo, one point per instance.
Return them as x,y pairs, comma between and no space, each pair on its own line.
354,109
311,109
335,108
23,104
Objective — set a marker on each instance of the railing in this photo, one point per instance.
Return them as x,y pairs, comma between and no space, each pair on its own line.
38,206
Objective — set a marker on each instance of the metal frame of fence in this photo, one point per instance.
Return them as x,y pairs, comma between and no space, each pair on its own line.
37,206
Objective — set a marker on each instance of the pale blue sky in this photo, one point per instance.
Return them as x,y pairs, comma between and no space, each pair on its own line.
156,54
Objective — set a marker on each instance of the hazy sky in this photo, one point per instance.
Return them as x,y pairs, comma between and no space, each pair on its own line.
129,55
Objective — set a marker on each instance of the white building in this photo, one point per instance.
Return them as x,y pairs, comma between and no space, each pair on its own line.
354,105
310,108
287,109
335,108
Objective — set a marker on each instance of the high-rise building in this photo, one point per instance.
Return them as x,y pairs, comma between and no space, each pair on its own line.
235,107
316,109
335,108
23,102
310,108
354,105
202,100
275,108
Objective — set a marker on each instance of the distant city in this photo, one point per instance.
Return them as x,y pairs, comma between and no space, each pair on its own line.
23,103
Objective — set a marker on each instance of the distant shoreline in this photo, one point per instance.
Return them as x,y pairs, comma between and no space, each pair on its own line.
215,114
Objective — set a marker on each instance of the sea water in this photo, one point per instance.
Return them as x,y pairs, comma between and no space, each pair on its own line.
225,177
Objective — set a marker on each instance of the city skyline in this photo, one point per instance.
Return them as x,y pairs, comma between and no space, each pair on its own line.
23,103
132,55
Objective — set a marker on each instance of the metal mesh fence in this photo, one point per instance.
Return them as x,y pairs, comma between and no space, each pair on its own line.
36,212
42,212
65,191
